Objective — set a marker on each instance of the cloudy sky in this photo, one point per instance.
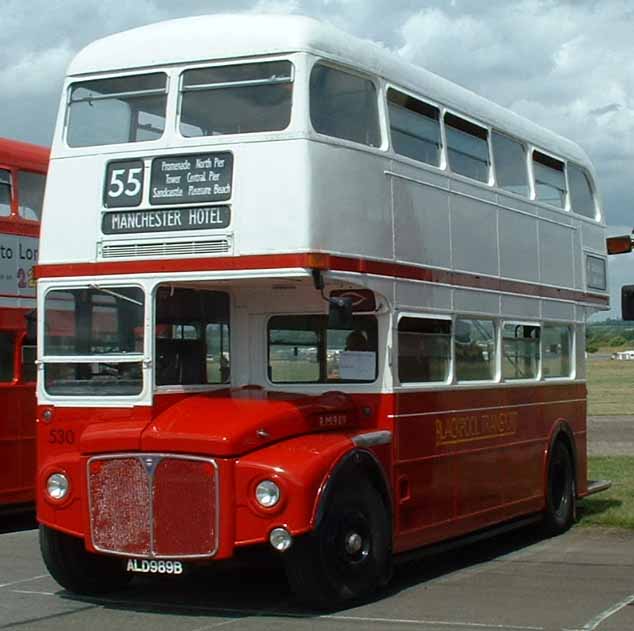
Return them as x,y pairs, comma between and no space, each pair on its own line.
566,64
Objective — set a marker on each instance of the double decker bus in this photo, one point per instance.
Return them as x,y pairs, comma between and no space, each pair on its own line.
318,299
22,177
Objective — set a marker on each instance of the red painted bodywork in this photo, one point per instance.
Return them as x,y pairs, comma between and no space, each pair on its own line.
312,260
17,398
459,460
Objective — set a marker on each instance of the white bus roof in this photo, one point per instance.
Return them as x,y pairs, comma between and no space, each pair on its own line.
216,37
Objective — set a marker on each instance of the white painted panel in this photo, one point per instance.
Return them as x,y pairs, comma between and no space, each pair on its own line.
520,307
593,237
556,255
421,220
466,301
474,236
553,310
414,295
519,250
350,210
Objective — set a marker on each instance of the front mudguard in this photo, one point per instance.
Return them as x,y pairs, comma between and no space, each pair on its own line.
305,468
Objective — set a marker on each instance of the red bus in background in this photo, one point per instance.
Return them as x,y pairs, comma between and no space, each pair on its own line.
22,176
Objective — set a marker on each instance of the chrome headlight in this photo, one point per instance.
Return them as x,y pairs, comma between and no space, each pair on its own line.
57,486
267,493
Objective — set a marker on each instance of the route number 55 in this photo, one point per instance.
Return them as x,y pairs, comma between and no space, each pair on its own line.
124,183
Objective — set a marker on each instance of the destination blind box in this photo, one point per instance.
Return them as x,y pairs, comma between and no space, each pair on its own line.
166,220
199,178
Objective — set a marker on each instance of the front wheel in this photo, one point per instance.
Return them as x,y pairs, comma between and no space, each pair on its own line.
560,498
348,556
77,570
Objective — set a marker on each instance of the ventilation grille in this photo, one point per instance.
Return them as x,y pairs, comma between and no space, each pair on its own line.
154,505
165,248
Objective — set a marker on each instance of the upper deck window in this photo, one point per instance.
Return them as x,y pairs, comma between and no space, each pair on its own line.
236,99
344,105
415,128
550,182
5,193
511,170
117,110
467,148
31,194
581,196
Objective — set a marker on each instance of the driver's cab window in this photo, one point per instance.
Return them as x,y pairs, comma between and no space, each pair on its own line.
192,337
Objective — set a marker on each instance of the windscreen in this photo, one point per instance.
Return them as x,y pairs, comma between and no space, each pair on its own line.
93,341
117,110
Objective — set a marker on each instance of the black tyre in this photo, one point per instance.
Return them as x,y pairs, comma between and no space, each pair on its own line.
77,570
349,555
560,499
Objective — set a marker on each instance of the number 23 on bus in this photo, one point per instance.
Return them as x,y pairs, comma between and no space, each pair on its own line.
321,300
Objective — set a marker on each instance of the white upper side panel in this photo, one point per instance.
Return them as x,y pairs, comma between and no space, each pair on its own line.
216,37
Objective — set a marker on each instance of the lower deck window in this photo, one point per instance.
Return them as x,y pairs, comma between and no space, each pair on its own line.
302,349
557,345
424,350
520,351
192,337
475,350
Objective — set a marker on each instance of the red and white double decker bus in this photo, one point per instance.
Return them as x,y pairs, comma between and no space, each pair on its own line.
22,177
315,298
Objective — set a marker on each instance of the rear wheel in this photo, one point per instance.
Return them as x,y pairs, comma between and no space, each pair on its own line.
348,556
77,570
560,500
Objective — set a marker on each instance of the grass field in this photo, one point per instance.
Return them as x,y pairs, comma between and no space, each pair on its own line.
610,387
614,507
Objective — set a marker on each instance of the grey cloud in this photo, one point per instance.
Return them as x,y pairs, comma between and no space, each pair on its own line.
566,64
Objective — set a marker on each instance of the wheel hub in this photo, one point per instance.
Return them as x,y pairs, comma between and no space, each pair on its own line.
354,543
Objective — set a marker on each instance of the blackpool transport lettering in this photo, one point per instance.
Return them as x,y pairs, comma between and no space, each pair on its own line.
466,428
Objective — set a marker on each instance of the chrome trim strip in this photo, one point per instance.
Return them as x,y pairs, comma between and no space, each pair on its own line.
372,439
492,407
140,456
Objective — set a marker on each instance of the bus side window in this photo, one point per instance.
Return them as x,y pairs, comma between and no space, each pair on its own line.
30,194
557,350
344,105
29,372
467,148
520,351
475,350
581,195
550,182
510,164
415,128
7,341
5,193
424,350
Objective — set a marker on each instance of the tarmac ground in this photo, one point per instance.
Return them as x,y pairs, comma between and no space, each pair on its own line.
580,581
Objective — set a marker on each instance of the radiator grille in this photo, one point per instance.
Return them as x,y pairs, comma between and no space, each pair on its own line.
165,248
153,505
